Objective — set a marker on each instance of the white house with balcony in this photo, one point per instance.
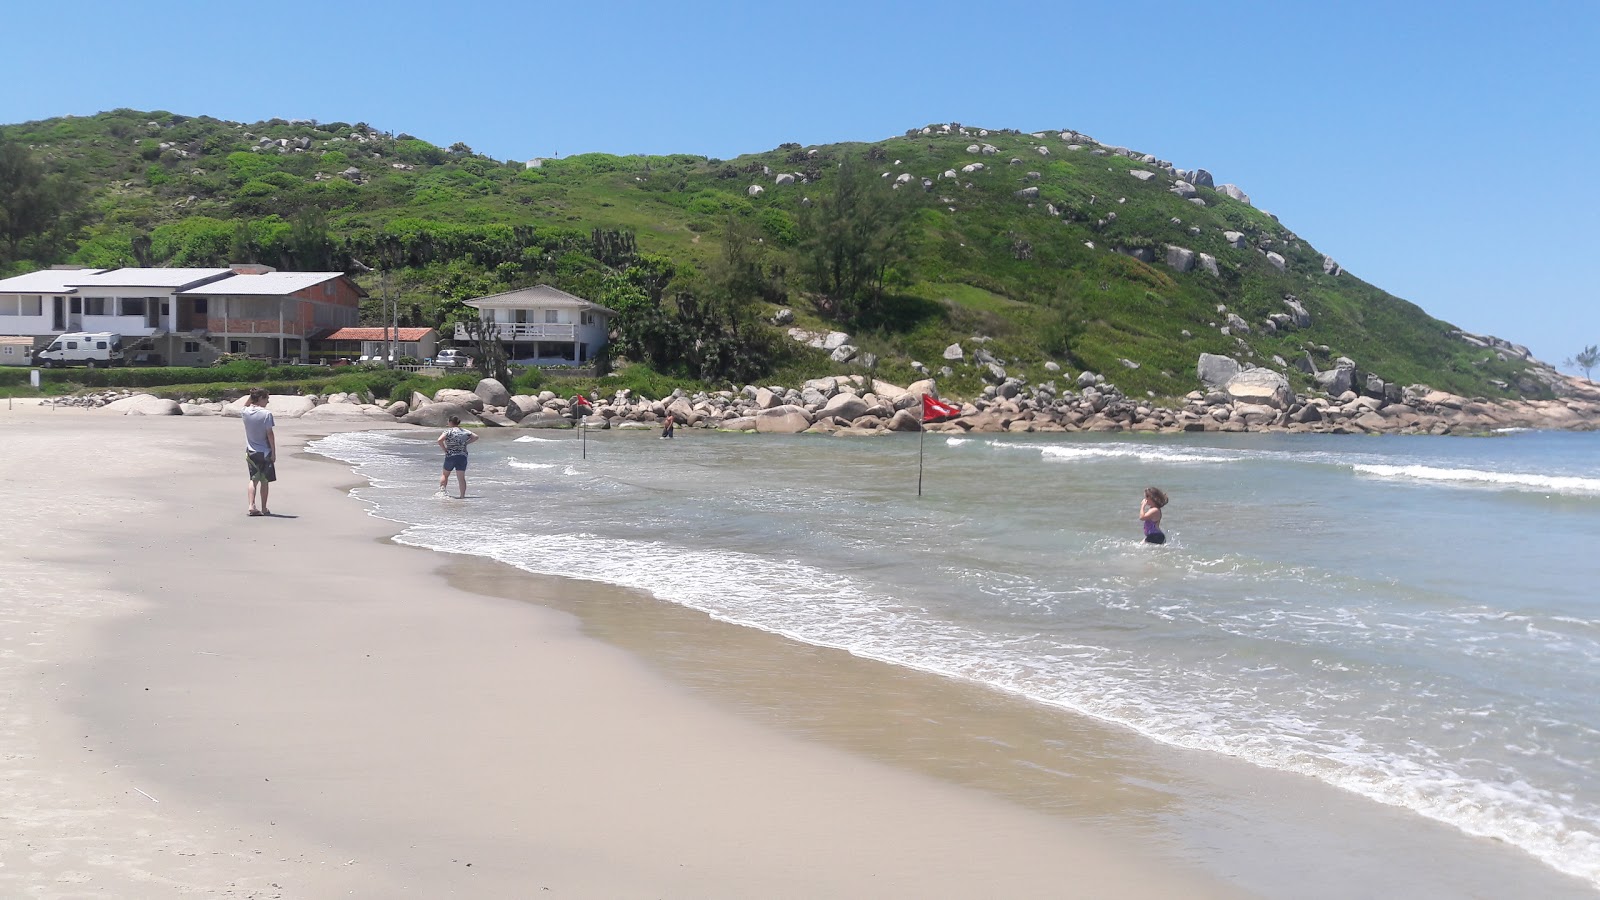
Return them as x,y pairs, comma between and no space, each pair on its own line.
542,326
183,316
36,305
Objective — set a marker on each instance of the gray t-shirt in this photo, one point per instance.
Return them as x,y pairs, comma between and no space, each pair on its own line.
257,423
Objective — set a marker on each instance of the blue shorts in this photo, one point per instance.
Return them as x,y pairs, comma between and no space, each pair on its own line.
455,461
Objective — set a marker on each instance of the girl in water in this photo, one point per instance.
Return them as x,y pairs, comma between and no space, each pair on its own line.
1150,515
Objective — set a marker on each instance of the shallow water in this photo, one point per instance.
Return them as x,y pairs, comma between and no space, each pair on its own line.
1410,619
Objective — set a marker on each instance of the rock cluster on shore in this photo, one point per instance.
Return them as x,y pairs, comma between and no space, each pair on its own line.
1240,400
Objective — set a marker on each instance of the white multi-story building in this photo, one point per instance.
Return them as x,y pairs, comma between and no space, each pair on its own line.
183,316
542,326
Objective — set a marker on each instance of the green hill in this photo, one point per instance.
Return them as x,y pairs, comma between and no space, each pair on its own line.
1049,252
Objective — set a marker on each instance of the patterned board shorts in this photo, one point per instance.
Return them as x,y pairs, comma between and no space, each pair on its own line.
261,468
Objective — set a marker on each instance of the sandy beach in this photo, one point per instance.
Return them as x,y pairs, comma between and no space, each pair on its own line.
201,703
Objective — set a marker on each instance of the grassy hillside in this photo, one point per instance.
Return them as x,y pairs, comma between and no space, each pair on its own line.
981,260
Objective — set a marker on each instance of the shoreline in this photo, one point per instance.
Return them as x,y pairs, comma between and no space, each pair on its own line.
279,743
1357,839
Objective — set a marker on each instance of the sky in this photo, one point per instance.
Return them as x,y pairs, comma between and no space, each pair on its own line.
1435,149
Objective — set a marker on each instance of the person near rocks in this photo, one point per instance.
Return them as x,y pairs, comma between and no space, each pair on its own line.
454,443
668,425
260,448
1150,515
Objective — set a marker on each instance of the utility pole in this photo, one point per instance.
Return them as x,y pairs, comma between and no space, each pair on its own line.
388,342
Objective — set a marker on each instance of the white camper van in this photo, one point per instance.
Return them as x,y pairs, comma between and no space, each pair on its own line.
81,348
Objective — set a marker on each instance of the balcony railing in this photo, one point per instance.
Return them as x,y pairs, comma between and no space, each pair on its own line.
523,331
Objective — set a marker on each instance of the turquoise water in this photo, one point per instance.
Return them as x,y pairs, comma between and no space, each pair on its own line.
1414,620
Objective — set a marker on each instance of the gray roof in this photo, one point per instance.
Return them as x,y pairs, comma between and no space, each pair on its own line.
271,284
150,278
540,296
44,281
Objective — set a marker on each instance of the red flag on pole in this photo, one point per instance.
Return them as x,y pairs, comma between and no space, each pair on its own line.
938,410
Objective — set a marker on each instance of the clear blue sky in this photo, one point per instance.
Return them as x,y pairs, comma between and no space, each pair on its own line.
1440,150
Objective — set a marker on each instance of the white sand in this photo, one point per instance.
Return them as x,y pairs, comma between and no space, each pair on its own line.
196,702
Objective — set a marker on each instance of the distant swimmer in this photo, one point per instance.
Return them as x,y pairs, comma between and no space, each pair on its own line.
1150,515
454,443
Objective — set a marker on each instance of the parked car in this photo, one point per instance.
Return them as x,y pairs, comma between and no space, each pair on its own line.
82,348
452,359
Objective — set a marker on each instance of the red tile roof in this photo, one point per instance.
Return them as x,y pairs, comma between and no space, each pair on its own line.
376,334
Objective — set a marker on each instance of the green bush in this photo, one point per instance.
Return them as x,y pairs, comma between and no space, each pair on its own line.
428,385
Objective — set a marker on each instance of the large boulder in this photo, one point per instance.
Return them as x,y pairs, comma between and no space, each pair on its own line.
1209,264
954,351
493,392
1215,371
787,419
1277,260
739,423
466,399
887,392
1232,191
1180,258
1183,189
524,406
1262,387
437,414
845,406
1235,239
766,399
905,420
1337,380
843,353
348,412
287,406
835,340
126,403
146,405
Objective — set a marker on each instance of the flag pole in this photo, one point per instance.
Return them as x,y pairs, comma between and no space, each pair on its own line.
921,430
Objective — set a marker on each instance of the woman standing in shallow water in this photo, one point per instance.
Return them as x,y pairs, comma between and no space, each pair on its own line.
1150,515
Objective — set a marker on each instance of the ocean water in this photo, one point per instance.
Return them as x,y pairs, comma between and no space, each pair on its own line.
1413,620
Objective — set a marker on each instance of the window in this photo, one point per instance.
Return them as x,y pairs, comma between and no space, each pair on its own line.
94,306
77,304
327,289
99,345
33,305
8,306
8,349
72,345
588,318
191,346
550,317
133,306
200,305
238,347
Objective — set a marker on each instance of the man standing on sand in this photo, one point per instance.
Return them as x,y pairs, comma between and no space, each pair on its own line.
260,448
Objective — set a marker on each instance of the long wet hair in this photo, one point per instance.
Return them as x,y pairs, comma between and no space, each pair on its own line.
1156,496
